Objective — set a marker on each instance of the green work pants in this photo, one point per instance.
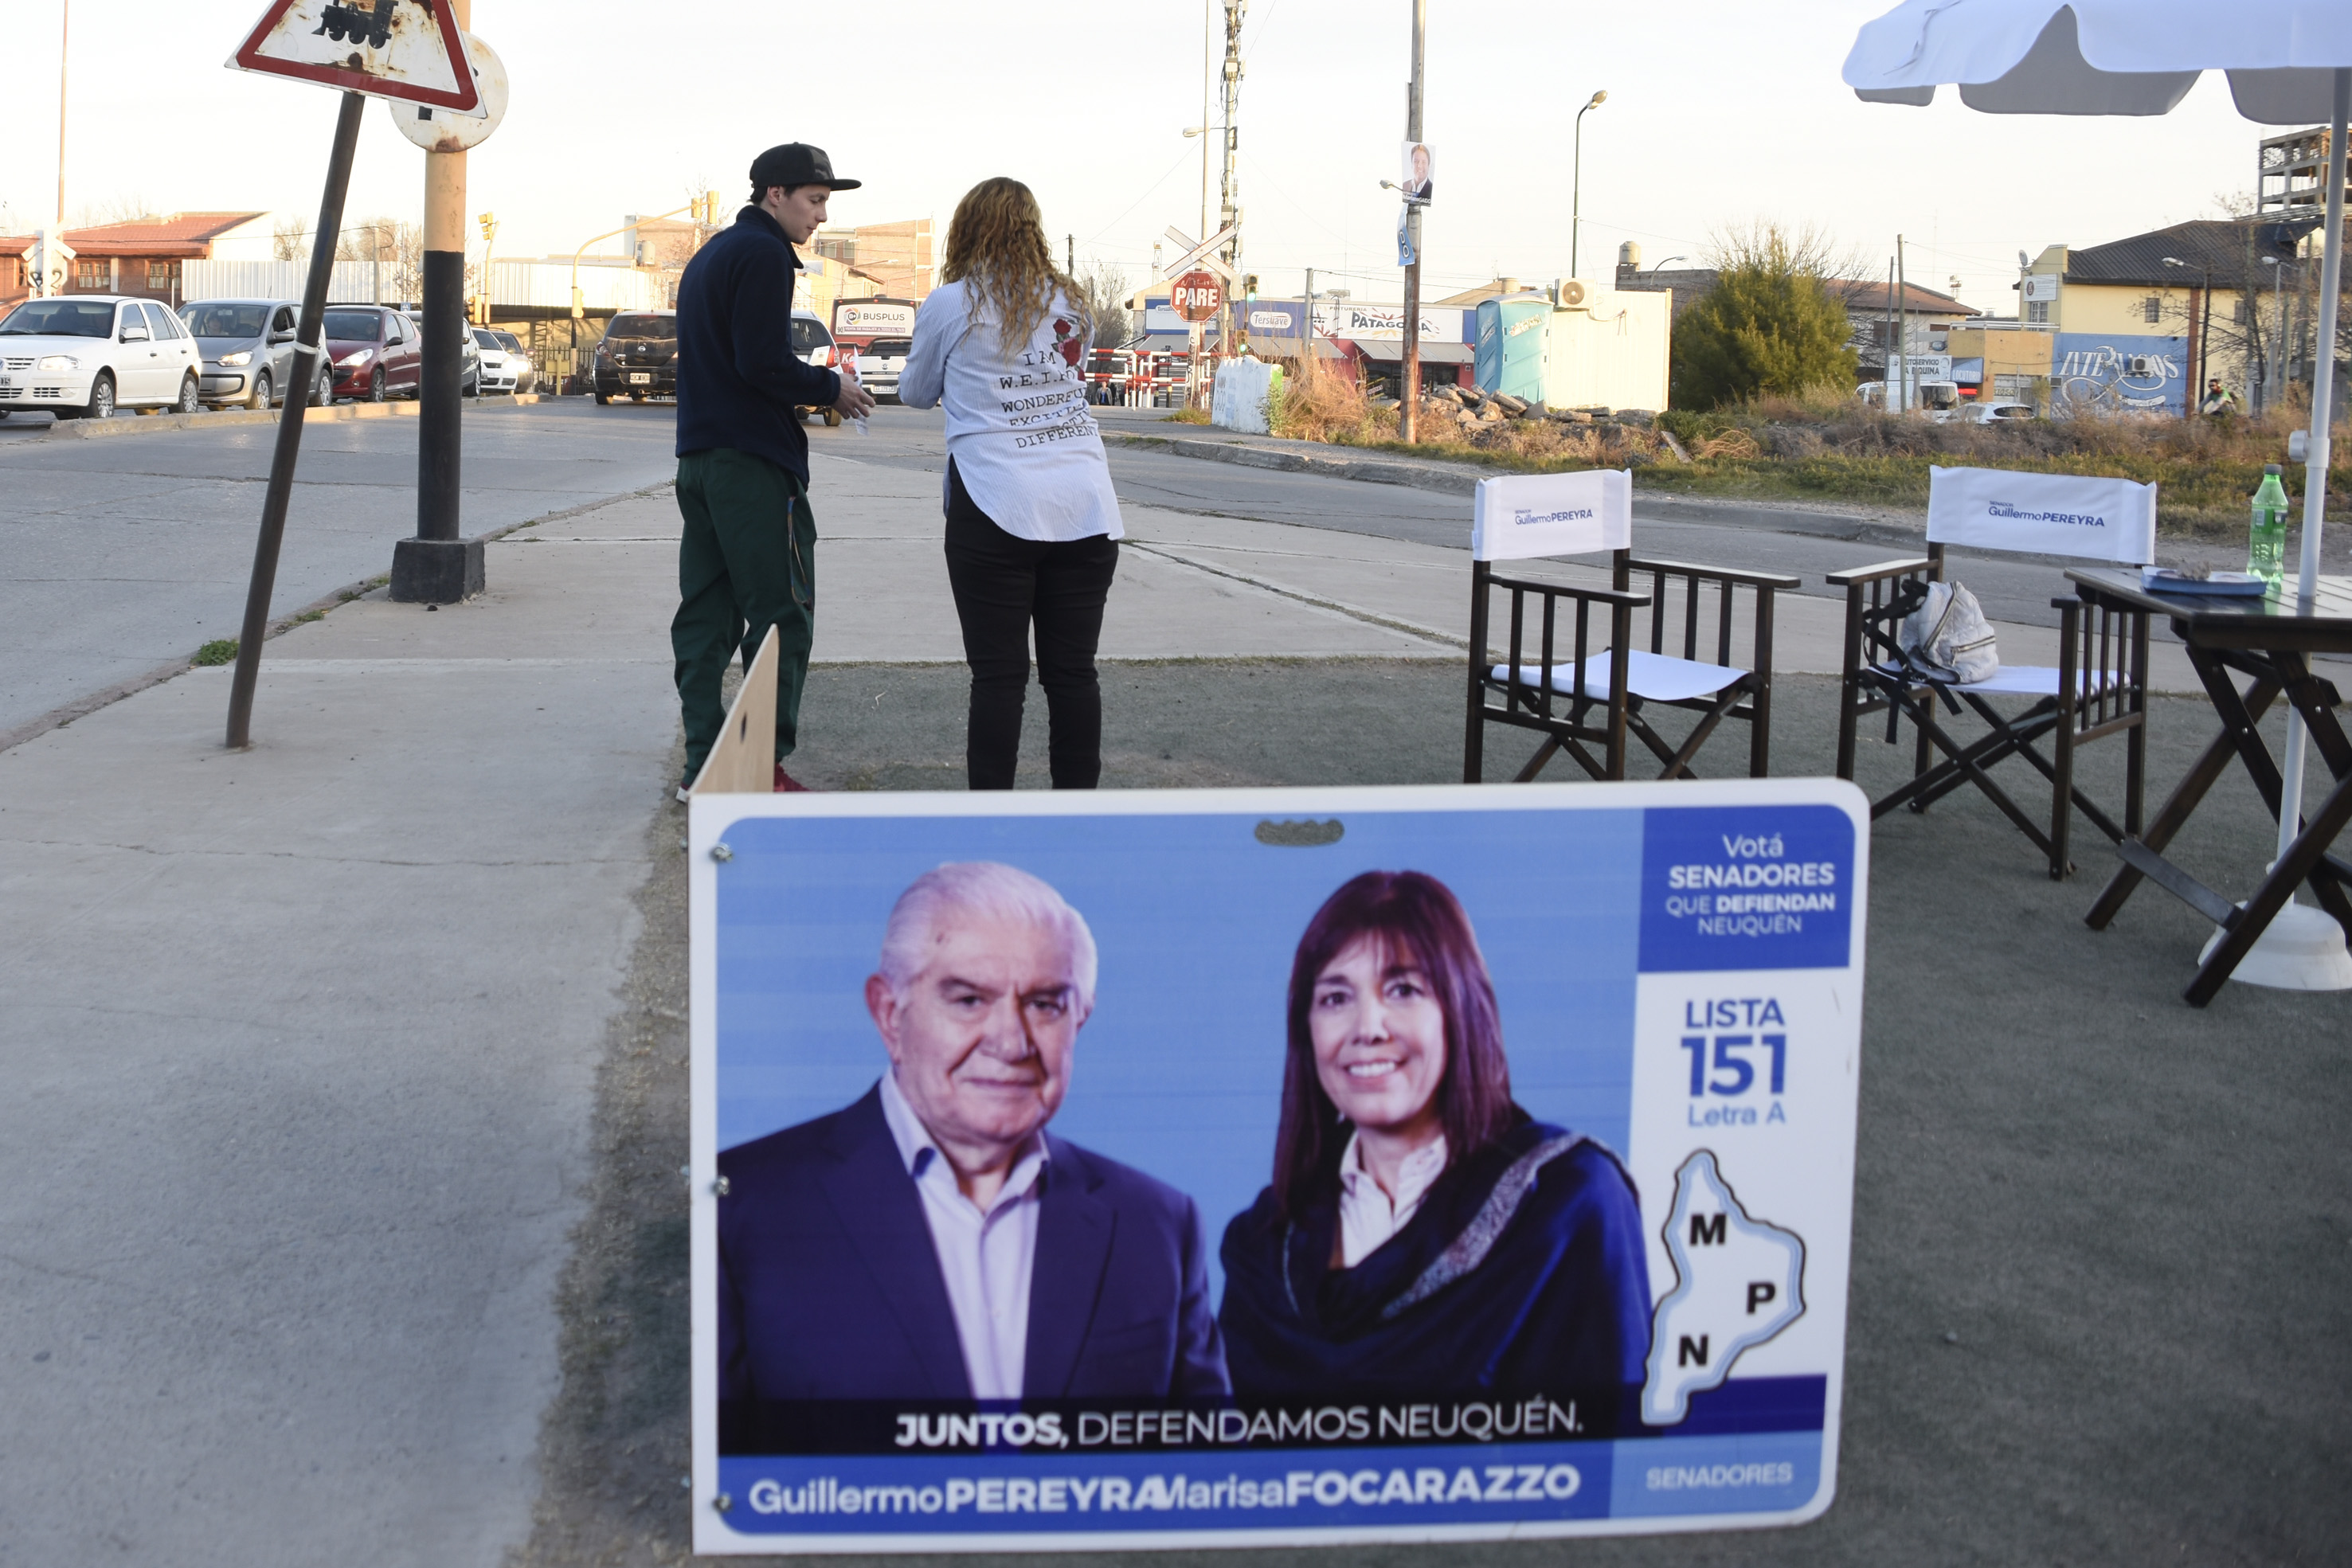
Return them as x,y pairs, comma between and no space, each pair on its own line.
746,562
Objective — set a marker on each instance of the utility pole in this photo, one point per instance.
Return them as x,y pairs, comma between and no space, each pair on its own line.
1229,210
65,29
1902,324
1886,352
438,567
1409,379
1309,333
1071,270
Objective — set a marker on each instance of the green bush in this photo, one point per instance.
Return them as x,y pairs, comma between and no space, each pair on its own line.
1771,325
219,651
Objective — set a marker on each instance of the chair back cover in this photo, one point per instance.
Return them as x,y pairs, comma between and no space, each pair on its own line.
2110,520
1529,514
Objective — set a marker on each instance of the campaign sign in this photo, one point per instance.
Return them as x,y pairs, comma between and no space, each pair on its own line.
1270,1167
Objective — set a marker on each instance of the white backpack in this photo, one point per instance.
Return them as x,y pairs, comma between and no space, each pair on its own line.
1950,631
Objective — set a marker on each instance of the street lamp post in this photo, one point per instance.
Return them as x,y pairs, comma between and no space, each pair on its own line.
1576,196
2203,317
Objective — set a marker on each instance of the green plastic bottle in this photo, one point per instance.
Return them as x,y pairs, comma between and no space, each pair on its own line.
2266,539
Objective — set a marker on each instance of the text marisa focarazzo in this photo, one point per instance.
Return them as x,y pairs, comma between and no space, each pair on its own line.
1478,1422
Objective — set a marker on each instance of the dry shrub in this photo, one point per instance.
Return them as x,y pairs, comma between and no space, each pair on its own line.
1734,444
1320,405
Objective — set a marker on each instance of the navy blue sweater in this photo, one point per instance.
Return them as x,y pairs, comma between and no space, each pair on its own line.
739,380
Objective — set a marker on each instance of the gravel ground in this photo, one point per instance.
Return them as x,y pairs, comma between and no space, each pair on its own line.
2103,1241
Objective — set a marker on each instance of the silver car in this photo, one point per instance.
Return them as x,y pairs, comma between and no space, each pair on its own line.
248,351
878,364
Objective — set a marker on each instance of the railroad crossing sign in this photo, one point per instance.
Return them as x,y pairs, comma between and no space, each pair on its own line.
410,50
1198,296
1201,254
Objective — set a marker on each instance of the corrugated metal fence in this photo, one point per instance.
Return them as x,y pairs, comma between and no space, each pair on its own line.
518,285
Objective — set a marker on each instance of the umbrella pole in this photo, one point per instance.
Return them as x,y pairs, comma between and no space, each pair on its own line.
2323,414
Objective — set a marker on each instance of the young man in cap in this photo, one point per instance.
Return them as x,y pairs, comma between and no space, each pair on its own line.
747,560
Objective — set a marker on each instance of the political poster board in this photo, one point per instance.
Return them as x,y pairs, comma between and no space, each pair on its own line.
1619,1310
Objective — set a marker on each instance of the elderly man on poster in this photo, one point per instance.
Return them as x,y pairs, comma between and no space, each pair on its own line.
933,1240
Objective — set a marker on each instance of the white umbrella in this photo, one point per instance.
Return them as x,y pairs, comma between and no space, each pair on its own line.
2289,63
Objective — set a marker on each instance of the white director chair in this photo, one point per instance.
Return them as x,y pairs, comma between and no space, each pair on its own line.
1581,697
2098,687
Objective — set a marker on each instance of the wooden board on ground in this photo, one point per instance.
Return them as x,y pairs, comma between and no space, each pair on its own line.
744,760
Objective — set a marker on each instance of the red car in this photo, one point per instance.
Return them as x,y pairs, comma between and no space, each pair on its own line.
376,352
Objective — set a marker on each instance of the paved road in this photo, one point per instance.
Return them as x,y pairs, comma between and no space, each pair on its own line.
1756,539
125,553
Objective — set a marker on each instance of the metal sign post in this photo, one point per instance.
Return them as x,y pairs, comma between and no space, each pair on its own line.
1197,297
410,52
309,350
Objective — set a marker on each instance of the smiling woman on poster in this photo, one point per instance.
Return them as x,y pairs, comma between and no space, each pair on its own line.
1422,1234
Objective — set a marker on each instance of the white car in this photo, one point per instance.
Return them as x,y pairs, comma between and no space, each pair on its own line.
82,356
1995,413
878,364
503,368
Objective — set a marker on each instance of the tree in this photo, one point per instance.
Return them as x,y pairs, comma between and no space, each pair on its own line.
1773,322
290,239
1103,288
398,246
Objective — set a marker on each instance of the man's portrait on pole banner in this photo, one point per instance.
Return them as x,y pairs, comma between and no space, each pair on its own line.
1153,1168
1419,178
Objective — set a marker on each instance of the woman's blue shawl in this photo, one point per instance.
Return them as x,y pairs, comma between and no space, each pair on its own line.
1523,1273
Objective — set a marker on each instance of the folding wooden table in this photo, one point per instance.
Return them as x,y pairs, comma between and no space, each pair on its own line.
2270,641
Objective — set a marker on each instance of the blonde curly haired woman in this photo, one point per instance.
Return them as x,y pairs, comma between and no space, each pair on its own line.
1033,524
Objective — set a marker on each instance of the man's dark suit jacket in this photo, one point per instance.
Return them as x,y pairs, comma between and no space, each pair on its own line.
829,1287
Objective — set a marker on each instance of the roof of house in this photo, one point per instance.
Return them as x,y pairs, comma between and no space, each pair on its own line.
14,245
2218,244
1870,297
183,235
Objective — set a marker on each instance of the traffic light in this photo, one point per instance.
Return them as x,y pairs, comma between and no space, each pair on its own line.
1249,285
489,222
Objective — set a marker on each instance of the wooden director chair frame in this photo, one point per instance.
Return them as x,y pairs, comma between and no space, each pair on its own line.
1555,696
2102,660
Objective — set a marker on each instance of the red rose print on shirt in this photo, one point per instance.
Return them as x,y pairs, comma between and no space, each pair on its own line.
1066,339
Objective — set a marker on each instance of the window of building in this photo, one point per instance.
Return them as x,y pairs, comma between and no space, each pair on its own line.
2037,311
2151,309
91,272
162,275
2238,311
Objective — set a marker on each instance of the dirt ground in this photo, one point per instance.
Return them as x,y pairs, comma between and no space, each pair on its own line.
2103,1241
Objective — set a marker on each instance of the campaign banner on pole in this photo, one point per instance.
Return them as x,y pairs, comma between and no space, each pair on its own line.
1265,1167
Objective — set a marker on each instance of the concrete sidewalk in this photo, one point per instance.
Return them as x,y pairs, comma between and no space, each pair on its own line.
304,1042
301,1044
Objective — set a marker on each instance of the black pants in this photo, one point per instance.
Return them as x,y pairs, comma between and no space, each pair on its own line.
1004,584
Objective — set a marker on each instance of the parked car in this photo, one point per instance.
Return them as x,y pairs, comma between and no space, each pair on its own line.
82,356
247,349
469,377
519,369
377,353
637,357
1996,413
813,343
878,364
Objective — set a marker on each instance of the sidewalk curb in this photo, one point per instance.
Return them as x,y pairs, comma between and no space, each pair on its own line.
128,423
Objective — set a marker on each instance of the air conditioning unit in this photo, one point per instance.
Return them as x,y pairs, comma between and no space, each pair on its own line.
2139,367
1570,293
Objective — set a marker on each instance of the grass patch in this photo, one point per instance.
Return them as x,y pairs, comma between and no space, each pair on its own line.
1189,416
219,651
307,617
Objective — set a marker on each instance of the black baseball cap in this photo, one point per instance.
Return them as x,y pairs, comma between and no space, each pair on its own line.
796,163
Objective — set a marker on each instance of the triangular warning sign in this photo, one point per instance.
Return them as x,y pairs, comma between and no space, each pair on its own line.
405,49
